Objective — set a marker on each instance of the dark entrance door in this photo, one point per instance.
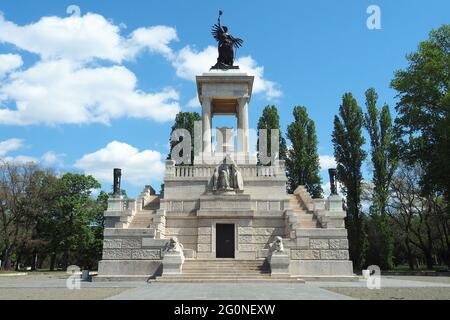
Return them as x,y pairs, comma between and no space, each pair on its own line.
225,240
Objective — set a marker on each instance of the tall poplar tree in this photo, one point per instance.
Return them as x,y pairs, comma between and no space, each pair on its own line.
271,120
349,154
384,160
423,121
302,163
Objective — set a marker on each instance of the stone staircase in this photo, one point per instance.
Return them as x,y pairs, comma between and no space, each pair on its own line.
145,218
300,217
225,270
142,220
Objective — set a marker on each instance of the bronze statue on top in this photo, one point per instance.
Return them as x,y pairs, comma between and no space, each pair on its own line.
227,45
333,181
116,182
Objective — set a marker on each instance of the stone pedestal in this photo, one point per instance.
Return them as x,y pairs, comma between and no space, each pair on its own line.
334,215
279,264
172,263
334,203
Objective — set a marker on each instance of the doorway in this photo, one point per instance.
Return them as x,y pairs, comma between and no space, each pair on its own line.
224,240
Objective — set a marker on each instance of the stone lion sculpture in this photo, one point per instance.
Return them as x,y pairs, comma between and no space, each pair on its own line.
174,246
277,245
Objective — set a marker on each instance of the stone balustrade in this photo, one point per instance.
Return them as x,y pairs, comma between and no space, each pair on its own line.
206,171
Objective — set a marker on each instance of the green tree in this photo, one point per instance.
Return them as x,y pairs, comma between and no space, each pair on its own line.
302,162
184,120
89,250
20,185
423,121
68,223
384,160
348,144
271,120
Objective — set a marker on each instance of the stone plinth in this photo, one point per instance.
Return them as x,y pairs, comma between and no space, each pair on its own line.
334,203
279,264
334,215
172,263
223,201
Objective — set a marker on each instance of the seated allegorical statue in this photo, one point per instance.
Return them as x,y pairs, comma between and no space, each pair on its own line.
224,178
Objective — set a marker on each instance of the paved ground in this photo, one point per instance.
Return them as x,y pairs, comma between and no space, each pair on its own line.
395,293
229,291
53,287
58,293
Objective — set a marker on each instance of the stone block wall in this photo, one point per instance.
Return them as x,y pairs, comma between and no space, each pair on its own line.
319,243
131,244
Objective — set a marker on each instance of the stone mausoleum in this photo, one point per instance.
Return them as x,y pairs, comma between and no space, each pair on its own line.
225,218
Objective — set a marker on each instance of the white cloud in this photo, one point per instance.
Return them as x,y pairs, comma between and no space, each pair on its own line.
194,103
138,167
10,145
189,63
77,38
62,88
9,62
51,158
21,159
61,92
269,88
327,162
154,39
83,38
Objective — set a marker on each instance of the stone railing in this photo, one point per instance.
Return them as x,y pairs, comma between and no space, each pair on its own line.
206,171
328,212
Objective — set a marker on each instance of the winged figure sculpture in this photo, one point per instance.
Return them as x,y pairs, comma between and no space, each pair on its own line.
226,44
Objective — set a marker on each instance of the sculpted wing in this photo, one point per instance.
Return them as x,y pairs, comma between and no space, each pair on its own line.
217,32
237,42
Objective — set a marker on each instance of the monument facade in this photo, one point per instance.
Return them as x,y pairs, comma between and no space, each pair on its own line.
225,217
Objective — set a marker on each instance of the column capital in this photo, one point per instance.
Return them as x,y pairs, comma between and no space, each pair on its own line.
243,100
205,99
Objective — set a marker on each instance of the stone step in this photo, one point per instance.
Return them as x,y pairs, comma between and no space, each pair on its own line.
224,265
223,270
224,261
142,220
225,275
230,280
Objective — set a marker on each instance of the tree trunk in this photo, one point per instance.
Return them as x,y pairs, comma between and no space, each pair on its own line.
19,258
52,261
409,254
6,259
428,259
34,262
66,259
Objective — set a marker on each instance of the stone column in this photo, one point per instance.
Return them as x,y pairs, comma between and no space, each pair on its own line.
207,123
243,133
240,132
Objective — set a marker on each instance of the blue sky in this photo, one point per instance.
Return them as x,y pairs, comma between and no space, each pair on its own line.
100,90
